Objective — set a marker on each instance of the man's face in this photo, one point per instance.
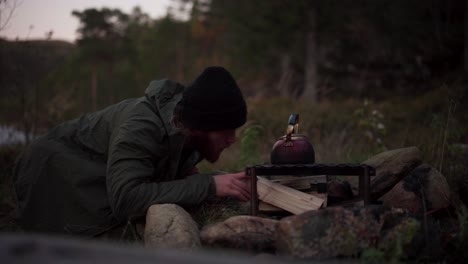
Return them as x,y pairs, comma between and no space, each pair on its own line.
211,144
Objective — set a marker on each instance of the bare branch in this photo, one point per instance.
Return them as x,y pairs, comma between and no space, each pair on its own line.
7,8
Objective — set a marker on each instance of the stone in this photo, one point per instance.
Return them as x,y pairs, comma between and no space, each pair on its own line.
397,240
248,233
29,248
437,190
398,197
169,226
334,231
391,166
423,184
339,191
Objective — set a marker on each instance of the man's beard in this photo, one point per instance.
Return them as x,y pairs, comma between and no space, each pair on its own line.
206,149
209,154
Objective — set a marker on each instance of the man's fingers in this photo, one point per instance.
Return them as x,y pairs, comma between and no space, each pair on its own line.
242,184
244,194
234,185
241,188
241,195
241,176
239,183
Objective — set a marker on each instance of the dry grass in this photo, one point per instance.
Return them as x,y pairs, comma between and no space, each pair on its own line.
337,135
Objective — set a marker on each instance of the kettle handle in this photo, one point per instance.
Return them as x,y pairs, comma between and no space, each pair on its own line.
293,126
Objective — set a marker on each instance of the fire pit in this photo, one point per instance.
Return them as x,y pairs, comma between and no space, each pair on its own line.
294,155
363,171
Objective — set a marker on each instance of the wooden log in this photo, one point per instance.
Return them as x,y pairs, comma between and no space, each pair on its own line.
323,196
289,199
299,183
269,208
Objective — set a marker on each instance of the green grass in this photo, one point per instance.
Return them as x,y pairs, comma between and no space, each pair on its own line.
349,131
7,201
345,131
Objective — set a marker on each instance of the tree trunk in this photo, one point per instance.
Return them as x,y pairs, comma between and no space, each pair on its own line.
284,84
34,113
110,95
310,93
94,87
466,39
26,119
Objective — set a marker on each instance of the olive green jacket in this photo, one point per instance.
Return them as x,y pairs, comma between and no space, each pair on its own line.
90,174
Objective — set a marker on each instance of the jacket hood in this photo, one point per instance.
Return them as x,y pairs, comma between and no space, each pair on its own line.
165,95
164,91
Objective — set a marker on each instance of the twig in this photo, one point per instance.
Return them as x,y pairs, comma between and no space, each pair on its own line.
444,141
423,198
9,9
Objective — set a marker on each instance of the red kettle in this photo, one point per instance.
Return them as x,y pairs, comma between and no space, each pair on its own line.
292,148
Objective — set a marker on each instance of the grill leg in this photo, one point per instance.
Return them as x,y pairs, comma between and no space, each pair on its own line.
253,191
366,186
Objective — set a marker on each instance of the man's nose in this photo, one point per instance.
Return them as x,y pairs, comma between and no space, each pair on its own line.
231,139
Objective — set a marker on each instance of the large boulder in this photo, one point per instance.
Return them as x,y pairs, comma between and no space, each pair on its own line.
399,197
27,248
391,166
248,233
423,184
336,232
169,226
402,240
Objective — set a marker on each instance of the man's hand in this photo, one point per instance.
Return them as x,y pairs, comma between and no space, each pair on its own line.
234,185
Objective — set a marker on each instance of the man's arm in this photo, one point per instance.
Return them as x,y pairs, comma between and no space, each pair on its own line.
234,185
135,148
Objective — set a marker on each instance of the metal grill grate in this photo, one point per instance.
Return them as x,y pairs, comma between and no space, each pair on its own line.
361,170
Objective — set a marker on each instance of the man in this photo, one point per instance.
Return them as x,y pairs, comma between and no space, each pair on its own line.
92,174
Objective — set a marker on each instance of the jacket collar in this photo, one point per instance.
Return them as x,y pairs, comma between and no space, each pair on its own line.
166,94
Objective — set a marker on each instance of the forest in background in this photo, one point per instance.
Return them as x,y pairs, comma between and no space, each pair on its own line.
310,51
300,56
365,76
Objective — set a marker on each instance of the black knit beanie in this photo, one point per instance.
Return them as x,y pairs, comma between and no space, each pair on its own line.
213,102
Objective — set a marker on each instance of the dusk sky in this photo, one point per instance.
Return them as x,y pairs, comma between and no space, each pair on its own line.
34,18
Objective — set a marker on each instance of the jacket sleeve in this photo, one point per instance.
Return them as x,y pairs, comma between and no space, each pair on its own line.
135,147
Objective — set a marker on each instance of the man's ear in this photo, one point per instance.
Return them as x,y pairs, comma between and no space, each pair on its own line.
192,135
195,132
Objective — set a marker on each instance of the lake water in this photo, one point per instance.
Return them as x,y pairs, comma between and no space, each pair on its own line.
10,135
